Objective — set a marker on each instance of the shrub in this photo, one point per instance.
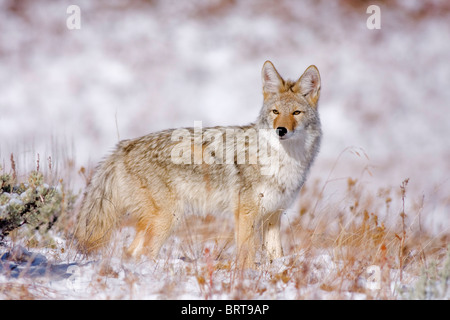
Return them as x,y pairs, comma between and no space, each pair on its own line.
33,207
432,283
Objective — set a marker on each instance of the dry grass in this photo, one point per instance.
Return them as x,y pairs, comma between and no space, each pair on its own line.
328,253
334,249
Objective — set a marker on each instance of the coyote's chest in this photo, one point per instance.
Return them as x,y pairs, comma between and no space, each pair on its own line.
279,188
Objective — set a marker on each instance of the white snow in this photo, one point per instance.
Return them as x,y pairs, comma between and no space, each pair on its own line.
137,68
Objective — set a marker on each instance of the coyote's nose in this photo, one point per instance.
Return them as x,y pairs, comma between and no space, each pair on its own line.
281,131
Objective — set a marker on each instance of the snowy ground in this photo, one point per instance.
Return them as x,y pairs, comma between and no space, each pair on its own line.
60,276
139,67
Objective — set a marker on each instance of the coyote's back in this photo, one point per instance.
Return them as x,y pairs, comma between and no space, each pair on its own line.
253,172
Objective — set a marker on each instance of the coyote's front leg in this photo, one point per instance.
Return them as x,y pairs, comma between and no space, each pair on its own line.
245,223
271,235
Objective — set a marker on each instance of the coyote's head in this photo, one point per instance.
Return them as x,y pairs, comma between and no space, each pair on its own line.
289,107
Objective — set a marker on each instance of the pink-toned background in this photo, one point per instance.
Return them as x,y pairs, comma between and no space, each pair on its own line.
136,67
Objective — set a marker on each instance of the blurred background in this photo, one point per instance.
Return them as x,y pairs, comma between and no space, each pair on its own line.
136,67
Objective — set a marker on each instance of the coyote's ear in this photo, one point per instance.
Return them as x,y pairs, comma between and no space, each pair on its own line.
271,80
309,85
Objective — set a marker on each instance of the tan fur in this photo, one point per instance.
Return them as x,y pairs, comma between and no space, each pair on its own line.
141,179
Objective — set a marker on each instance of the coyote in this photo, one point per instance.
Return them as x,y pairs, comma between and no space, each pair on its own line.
254,172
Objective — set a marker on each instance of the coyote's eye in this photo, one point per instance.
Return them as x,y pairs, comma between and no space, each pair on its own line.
297,112
275,111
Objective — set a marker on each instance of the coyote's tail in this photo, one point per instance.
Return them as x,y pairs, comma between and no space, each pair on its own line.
100,210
